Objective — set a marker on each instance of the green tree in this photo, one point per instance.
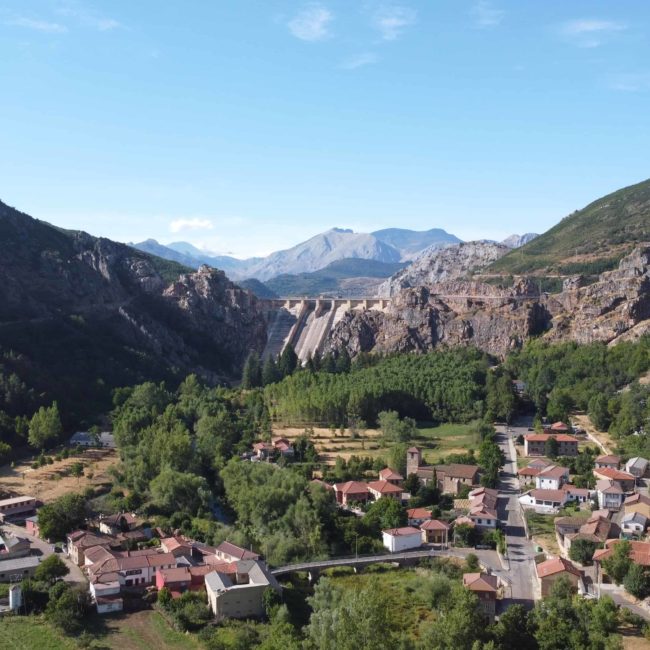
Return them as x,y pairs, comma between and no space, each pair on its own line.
44,426
618,563
51,569
385,513
513,630
397,458
637,582
288,361
58,518
551,448
582,551
252,372
395,430
172,491
270,372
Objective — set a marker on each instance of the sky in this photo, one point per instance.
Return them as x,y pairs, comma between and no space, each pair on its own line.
248,126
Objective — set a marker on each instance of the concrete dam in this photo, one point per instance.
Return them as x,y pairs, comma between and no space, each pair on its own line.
305,323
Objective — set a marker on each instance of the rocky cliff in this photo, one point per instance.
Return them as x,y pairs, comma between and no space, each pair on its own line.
437,265
462,312
80,306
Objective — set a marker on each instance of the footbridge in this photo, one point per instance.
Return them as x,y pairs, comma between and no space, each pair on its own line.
488,559
305,323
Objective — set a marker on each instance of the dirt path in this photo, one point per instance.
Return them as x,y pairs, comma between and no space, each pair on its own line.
600,438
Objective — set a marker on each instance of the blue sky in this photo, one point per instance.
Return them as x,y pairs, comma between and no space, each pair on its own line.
247,126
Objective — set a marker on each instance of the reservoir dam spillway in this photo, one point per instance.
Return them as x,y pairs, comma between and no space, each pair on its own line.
305,323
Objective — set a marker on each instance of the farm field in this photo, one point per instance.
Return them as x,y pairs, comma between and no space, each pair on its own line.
31,632
435,442
52,481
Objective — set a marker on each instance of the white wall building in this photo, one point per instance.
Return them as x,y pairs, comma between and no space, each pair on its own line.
402,539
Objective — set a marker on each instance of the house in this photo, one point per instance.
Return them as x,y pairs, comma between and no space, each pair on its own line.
79,540
547,500
18,569
416,516
16,506
177,546
483,517
402,539
610,494
637,466
12,547
527,475
535,444
192,578
379,489
624,479
227,552
608,460
634,524
639,554
109,604
598,529
284,447
552,477
565,529
351,491
31,526
551,570
448,478
240,594
453,477
573,493
485,586
85,439
637,503
435,531
119,523
263,450
128,569
390,475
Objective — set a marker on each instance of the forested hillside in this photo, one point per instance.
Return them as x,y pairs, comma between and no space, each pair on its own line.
588,241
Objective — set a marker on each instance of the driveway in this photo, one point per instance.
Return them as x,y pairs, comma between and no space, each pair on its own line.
520,554
43,549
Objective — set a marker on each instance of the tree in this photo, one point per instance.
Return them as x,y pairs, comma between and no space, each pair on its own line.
288,361
343,361
51,569
397,458
598,411
513,629
385,513
618,563
77,470
582,551
551,448
172,491
394,429
67,607
472,563
412,484
58,518
252,373
44,426
637,582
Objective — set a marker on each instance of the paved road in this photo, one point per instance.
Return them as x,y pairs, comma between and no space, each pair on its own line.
44,549
520,553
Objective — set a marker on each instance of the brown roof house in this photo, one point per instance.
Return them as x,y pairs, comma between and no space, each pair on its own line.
449,478
486,587
548,572
418,515
625,480
351,491
390,475
228,552
379,489
637,503
435,531
535,444
607,460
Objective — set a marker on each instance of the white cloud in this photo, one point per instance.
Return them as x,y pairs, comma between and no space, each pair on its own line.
190,224
38,25
86,17
312,23
590,32
360,60
391,21
485,15
631,82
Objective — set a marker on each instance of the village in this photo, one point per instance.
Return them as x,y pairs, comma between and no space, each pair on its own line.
123,560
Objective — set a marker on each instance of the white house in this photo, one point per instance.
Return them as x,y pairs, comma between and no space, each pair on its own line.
552,477
402,539
637,466
610,494
546,500
634,523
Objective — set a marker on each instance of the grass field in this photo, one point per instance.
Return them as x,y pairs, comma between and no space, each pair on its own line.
435,442
542,528
31,633
146,630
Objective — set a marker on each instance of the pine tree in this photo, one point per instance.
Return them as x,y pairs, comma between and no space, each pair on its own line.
317,361
343,361
329,363
288,361
252,373
270,372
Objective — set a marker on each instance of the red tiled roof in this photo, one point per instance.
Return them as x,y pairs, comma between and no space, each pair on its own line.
418,513
639,551
402,532
637,498
549,495
480,582
528,471
384,487
179,574
456,470
434,524
608,458
554,471
607,486
559,426
388,474
237,551
558,565
543,437
351,487
613,474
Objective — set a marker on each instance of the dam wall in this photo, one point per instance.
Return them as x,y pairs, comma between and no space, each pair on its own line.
305,323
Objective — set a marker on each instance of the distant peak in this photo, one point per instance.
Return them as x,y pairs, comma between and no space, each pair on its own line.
348,230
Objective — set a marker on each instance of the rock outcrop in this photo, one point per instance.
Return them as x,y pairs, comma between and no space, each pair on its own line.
497,320
438,265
